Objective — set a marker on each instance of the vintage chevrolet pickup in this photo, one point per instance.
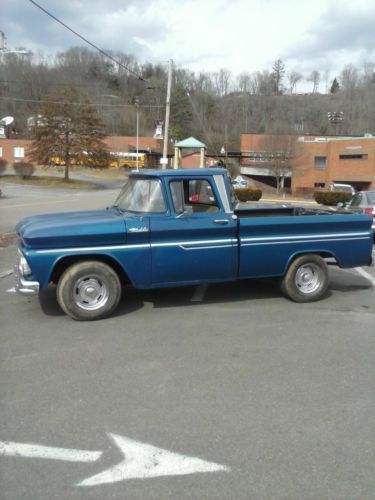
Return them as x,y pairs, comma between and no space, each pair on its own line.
181,227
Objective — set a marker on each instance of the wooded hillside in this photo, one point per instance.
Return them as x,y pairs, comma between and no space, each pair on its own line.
214,107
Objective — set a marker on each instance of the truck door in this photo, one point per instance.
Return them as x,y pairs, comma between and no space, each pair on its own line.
197,242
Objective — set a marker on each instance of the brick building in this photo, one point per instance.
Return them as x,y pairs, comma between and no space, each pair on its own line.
316,161
14,149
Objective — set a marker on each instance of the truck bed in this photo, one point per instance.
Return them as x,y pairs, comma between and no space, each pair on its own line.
270,236
257,209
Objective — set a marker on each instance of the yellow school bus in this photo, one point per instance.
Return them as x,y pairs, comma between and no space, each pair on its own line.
57,161
128,160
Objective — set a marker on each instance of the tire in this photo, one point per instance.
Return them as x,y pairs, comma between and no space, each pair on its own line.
88,290
306,279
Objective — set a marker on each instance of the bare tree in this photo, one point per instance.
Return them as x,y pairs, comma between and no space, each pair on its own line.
263,82
244,82
315,79
278,150
294,77
349,77
222,82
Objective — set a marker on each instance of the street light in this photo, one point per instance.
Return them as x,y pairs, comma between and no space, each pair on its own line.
164,159
136,102
335,117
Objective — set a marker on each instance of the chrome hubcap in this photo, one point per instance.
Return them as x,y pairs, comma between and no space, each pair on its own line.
308,278
90,293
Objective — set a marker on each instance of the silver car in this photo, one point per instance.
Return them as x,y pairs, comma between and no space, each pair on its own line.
364,202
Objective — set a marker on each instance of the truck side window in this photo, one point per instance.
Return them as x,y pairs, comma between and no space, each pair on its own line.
193,195
141,195
177,193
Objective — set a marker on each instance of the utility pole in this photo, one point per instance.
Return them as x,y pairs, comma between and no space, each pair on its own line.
164,160
137,140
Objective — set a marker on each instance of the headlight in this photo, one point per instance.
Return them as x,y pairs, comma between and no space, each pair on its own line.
24,267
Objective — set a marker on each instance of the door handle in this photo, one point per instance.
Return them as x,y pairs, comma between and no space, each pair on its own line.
221,221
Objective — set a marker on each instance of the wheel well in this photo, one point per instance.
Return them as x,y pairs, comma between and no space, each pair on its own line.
323,254
66,262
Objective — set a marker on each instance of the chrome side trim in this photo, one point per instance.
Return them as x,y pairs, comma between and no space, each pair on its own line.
186,244
93,249
325,240
138,230
198,243
219,181
305,237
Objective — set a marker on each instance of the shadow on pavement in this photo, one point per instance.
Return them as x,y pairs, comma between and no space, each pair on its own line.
219,293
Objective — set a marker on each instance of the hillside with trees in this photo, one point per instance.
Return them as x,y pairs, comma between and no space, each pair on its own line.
214,107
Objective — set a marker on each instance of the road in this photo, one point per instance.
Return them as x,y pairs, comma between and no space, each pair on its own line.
280,395
20,201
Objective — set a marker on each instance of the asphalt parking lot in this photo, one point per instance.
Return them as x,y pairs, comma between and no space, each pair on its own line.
249,394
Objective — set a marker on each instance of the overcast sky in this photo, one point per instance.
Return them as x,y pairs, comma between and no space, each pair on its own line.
204,35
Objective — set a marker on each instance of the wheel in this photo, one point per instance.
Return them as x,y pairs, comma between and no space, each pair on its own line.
88,290
306,279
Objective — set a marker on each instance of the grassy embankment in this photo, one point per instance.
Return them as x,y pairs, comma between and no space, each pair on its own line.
54,177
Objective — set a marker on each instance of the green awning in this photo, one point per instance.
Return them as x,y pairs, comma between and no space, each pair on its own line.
190,143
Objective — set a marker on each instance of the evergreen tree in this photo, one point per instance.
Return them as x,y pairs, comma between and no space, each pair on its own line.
278,72
335,86
181,113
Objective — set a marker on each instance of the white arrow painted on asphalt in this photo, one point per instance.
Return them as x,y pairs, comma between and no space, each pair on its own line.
142,460
29,450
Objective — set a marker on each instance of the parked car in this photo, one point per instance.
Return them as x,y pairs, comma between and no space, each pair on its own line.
239,182
362,202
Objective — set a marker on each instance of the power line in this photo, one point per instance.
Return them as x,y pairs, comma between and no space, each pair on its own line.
82,103
88,41
53,84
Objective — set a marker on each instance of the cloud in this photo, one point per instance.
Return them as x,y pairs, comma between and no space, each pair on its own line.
118,25
204,35
339,34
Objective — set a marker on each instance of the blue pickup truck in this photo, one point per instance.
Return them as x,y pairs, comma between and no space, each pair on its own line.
183,227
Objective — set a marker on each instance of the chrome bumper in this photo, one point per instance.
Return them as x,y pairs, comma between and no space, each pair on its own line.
23,286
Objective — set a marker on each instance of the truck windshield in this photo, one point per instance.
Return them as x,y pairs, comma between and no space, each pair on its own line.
141,195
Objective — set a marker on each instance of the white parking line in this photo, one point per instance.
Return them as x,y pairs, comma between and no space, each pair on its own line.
366,275
11,290
199,293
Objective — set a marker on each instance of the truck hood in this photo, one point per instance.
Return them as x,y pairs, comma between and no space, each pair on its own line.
73,229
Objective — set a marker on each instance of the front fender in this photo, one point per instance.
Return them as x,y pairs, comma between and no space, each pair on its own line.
134,263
